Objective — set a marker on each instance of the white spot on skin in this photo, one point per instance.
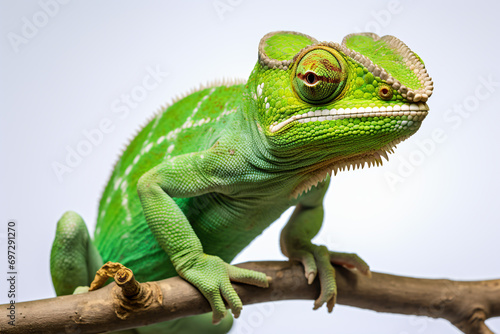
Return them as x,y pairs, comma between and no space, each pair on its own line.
160,140
150,145
125,201
187,124
170,148
136,159
117,183
127,171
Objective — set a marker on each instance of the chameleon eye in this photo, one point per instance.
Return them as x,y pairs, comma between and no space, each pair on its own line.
320,76
311,78
385,92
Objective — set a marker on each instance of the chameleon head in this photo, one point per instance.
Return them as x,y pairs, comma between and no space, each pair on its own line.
350,103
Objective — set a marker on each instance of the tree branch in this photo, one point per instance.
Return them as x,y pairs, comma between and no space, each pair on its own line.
465,304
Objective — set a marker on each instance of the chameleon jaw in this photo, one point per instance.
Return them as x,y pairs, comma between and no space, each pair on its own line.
417,111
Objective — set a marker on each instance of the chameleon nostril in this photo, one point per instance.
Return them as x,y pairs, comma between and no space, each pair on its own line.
385,93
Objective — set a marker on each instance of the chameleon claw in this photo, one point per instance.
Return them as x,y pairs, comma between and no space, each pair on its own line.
310,278
331,303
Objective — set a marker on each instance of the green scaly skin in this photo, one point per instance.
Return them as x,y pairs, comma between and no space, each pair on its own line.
211,172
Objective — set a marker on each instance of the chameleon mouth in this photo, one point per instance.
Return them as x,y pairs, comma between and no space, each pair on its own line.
414,112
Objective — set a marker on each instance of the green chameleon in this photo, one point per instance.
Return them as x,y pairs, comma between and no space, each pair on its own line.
212,171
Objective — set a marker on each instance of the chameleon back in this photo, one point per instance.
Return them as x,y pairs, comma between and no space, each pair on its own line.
192,124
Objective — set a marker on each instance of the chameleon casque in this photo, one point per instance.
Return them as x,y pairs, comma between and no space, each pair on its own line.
212,171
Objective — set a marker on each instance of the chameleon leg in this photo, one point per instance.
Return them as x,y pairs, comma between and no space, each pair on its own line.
317,260
191,175
74,260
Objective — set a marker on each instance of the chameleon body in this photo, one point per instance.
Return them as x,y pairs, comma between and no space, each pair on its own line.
212,171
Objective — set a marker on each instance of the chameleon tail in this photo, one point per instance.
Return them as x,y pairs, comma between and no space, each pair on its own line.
74,259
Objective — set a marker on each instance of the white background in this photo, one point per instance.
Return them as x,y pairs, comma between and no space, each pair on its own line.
440,218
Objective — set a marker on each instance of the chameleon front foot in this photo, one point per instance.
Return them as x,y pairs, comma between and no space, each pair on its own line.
319,261
212,276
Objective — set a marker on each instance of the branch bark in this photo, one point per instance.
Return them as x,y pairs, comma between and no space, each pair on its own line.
465,304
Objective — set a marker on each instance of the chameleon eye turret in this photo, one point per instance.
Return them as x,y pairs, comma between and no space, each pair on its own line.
320,76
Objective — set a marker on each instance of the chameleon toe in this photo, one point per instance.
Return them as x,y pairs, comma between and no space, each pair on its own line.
350,261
